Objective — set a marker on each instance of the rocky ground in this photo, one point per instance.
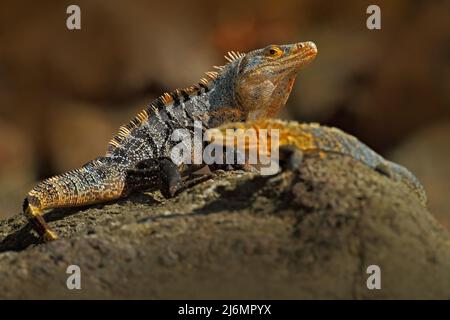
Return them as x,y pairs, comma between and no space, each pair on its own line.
306,234
64,94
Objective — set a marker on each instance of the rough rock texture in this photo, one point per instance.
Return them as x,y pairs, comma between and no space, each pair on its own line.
427,154
308,234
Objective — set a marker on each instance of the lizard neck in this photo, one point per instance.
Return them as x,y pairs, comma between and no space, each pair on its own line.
224,106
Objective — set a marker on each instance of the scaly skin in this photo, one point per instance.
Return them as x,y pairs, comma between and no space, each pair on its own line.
312,138
251,86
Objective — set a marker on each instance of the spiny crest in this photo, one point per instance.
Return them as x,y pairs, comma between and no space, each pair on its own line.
212,74
136,122
166,98
233,56
179,95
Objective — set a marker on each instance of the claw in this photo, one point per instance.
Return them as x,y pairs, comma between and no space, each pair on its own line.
34,214
49,236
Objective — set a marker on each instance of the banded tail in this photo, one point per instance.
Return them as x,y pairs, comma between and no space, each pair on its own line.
93,183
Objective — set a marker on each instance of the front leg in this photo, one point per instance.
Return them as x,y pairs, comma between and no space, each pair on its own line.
290,158
164,175
239,161
161,174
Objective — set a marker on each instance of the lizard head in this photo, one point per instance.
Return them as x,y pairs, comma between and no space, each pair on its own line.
266,76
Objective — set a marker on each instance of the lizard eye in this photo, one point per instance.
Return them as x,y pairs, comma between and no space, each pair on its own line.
274,52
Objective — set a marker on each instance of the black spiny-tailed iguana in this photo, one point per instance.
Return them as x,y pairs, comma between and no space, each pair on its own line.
251,86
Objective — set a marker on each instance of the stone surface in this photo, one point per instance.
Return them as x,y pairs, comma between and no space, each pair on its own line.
307,234
427,154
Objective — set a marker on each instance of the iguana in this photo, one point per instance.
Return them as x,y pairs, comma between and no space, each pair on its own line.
250,86
294,140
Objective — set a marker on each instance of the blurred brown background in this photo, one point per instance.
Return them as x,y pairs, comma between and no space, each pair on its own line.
63,94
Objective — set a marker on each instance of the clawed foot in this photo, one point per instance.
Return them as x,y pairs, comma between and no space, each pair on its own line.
164,175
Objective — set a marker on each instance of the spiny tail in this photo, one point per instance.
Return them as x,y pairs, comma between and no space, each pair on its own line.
90,184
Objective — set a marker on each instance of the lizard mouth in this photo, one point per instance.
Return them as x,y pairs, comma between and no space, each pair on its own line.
301,54
307,57
310,53
307,51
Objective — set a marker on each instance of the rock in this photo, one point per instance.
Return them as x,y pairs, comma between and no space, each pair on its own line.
427,154
309,234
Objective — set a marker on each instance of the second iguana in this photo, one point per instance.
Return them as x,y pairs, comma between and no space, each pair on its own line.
295,140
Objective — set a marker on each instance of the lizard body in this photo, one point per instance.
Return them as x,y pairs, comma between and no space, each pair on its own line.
251,86
312,138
